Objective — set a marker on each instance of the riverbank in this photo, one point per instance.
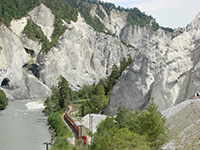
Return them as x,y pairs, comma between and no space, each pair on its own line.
52,131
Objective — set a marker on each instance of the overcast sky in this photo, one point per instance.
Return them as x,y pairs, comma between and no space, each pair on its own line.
168,13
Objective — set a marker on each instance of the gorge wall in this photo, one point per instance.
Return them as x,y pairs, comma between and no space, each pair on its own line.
165,67
82,55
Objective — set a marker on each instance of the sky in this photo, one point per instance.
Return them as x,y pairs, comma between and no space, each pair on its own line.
168,13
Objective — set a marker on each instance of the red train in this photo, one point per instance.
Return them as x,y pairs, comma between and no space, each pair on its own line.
77,126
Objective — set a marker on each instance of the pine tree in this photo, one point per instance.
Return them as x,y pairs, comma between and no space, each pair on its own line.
152,124
65,91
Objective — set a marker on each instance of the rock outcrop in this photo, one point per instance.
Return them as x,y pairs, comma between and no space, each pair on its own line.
82,56
16,82
44,18
166,67
115,22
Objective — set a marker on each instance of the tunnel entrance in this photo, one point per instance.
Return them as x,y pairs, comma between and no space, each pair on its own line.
5,82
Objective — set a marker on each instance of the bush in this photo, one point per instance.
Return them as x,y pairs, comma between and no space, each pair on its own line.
3,100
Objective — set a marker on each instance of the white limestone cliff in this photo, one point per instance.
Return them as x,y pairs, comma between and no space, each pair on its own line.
16,82
115,22
82,56
165,67
44,18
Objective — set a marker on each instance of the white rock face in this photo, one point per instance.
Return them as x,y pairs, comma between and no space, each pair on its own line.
164,68
44,18
17,26
115,22
13,57
82,56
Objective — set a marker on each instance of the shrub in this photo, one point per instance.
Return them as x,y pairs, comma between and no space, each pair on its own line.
3,100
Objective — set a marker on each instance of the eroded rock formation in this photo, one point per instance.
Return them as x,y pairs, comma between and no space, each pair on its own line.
166,67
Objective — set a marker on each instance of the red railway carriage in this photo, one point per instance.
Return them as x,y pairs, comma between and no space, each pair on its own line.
77,126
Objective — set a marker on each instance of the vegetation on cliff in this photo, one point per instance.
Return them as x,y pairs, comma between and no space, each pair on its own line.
3,100
68,10
16,9
136,17
99,95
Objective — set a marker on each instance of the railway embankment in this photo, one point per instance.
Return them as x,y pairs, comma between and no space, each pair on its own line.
52,131
59,131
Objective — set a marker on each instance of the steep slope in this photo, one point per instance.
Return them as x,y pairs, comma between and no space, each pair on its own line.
15,80
82,56
184,123
165,67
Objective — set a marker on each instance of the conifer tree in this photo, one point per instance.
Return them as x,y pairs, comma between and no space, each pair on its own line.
65,91
152,124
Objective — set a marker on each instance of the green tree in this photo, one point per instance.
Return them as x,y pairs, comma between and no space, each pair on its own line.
123,65
100,12
96,104
48,110
112,78
121,118
3,100
52,103
152,124
86,91
64,91
130,60
123,139
102,137
109,136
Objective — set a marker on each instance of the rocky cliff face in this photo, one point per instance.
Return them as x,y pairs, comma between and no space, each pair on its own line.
16,81
82,56
166,67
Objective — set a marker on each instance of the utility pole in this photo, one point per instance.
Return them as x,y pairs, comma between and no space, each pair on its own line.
81,132
47,144
90,122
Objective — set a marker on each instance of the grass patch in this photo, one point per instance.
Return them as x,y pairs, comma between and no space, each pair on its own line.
62,131
56,122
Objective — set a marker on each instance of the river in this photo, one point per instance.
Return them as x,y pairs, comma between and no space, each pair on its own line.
23,129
